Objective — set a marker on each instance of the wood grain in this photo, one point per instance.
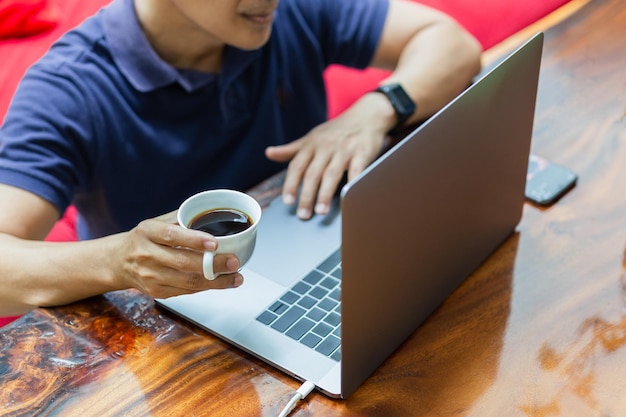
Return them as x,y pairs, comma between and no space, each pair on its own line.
539,330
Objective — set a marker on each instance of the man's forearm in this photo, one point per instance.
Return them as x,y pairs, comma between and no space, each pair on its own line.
35,273
436,66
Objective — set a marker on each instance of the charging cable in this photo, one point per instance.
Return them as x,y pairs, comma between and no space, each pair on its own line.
304,390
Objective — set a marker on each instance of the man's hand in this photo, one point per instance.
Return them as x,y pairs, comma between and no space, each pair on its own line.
319,160
162,259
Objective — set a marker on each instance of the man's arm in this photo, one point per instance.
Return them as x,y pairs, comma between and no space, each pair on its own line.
158,257
431,56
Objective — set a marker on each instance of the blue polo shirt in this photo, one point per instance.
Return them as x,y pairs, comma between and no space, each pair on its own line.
102,122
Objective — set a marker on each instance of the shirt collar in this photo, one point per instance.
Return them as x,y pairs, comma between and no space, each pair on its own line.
143,67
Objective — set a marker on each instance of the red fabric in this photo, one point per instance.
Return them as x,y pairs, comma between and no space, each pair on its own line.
65,229
17,54
490,21
21,18
6,320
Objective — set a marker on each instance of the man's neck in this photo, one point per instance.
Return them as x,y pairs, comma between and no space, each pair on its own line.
175,40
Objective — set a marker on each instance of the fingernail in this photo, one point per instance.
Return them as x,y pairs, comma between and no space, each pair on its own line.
210,245
237,281
321,208
304,213
289,199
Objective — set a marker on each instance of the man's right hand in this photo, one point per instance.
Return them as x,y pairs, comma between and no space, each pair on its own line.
162,259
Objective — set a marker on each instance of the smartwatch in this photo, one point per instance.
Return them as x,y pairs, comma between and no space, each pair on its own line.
401,102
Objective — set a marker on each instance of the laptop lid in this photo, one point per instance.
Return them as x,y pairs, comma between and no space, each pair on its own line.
423,217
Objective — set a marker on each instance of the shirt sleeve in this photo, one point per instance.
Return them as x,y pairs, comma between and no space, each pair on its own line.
42,141
348,31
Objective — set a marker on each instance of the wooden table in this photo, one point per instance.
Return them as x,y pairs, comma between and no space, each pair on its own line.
538,330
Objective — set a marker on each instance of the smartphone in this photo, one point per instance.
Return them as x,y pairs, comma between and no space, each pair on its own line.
546,181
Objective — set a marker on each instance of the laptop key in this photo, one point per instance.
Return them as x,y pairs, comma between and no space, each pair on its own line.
313,278
300,328
328,345
336,294
290,297
307,302
301,287
311,340
327,304
329,282
329,263
333,319
278,308
316,314
266,317
322,329
318,292
337,273
289,318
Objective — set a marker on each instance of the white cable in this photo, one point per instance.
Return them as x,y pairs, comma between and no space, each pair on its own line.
301,393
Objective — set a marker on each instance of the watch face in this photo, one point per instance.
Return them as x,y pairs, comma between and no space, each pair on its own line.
404,100
400,100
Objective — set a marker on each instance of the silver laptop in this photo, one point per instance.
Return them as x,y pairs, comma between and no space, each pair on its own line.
327,300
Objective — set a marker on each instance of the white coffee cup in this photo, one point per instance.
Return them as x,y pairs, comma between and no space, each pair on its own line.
240,243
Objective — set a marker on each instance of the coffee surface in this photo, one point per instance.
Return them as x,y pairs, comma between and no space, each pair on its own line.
221,222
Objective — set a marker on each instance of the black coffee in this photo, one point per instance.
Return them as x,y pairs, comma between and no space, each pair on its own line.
221,222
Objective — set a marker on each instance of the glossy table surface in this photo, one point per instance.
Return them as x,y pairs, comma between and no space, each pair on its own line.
539,330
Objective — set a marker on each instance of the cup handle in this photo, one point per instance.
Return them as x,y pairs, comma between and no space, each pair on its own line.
207,265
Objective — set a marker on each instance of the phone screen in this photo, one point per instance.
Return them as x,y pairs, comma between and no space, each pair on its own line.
546,181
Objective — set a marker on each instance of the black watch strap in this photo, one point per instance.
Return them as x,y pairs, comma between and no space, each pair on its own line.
402,104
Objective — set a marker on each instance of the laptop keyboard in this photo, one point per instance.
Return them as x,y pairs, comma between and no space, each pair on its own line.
310,311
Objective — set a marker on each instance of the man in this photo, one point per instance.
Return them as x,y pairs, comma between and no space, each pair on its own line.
151,101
